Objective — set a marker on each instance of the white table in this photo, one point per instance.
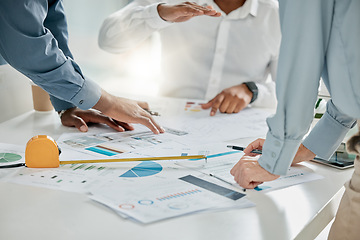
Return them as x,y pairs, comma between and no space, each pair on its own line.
26,212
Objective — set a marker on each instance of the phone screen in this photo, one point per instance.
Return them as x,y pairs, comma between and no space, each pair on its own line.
340,160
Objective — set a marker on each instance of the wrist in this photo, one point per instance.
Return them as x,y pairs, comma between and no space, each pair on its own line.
251,86
303,154
104,104
61,113
160,8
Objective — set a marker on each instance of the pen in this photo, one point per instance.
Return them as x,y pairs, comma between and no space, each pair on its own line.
257,151
152,113
214,176
13,165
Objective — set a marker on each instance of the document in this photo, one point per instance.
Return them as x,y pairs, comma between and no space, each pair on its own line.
10,154
220,164
250,122
111,144
83,177
158,200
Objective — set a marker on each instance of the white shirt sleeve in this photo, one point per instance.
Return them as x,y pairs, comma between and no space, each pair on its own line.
129,26
266,95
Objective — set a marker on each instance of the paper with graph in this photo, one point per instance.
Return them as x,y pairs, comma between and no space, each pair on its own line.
158,200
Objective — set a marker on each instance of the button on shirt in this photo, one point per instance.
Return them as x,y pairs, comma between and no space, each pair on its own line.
204,55
319,38
33,39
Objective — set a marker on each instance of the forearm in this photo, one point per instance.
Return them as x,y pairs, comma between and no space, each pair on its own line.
129,26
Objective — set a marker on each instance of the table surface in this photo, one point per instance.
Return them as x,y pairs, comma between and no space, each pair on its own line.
26,212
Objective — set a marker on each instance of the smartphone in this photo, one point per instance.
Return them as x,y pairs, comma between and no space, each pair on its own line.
339,160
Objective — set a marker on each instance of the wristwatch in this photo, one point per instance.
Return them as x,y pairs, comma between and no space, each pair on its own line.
253,88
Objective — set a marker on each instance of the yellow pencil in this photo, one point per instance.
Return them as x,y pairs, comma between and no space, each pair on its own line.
134,159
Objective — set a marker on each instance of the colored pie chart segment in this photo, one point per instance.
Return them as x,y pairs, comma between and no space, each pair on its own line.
143,169
9,157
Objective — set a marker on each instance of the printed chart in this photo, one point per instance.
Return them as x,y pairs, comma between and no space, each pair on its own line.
79,177
9,157
158,200
143,169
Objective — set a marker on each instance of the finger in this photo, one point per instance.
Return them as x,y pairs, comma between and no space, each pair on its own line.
80,124
150,123
205,9
232,106
213,13
190,11
241,104
225,104
253,185
126,126
143,105
257,144
207,105
154,123
100,118
216,104
239,107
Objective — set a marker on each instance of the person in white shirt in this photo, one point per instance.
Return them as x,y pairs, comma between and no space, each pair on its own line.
222,53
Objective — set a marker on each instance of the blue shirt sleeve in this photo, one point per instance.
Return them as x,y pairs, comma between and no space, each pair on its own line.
2,60
33,40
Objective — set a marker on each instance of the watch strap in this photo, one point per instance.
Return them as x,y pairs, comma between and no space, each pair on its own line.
254,89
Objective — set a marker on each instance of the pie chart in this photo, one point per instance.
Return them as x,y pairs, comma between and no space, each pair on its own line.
143,169
9,157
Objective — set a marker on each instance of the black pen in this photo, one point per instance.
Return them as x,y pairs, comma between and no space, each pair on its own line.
13,165
257,151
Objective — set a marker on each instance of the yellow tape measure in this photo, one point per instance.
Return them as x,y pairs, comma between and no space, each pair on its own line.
42,152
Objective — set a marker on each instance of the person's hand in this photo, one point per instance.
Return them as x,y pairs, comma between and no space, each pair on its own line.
248,173
126,111
143,105
184,11
255,145
230,100
302,154
75,117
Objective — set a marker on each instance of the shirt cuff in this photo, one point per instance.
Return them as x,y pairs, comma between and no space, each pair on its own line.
266,97
153,18
88,95
60,104
277,155
326,136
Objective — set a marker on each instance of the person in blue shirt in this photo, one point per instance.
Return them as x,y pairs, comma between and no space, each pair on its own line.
34,40
319,39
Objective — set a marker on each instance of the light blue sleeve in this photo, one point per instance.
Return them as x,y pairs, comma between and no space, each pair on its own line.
328,133
33,40
305,29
